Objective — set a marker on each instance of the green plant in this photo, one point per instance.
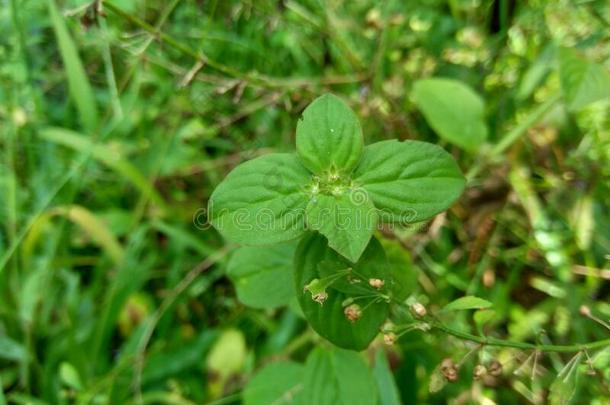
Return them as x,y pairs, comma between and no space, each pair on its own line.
118,118
342,190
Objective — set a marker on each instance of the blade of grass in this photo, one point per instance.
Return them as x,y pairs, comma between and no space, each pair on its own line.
129,277
86,220
78,83
104,155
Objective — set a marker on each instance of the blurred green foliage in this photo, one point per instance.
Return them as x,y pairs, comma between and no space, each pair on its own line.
116,126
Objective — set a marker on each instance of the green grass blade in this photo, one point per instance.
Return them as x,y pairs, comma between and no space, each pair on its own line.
106,156
78,83
86,220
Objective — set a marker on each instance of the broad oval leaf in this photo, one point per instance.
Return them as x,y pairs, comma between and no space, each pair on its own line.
337,377
263,278
467,302
278,383
329,136
453,110
582,81
347,221
262,201
409,181
328,318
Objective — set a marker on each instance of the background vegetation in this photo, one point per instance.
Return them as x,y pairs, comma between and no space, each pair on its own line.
117,126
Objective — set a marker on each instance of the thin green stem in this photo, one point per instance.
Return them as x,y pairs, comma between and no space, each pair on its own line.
431,321
490,341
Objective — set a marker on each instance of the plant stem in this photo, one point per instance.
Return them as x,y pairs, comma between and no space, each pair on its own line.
252,78
490,341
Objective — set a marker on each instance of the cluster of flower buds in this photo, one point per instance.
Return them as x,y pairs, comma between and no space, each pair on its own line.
449,370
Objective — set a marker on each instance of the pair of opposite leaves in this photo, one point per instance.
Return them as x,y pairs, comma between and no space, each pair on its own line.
334,185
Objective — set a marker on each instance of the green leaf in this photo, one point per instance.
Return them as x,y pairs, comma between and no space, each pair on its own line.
277,383
262,201
453,110
564,387
386,384
409,181
467,302
402,274
354,280
582,81
337,377
78,83
347,221
328,318
69,376
329,136
263,277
